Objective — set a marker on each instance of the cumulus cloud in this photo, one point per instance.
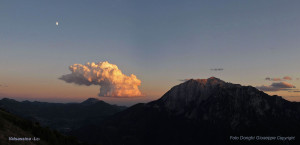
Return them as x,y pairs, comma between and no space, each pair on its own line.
276,87
217,69
112,82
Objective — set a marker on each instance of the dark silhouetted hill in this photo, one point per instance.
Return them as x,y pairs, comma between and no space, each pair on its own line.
59,116
13,126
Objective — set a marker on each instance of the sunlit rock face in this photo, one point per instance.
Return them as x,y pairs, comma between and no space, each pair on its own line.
214,99
191,92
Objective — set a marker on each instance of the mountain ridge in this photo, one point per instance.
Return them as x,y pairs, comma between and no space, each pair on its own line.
204,111
63,117
16,127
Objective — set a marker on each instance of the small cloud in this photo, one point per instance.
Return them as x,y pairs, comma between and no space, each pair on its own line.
183,80
287,78
217,69
281,86
273,79
294,90
276,79
267,88
267,78
279,79
3,86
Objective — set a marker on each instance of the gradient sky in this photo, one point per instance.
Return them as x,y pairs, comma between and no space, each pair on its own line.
160,41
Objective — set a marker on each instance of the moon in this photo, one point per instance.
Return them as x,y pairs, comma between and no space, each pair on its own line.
56,23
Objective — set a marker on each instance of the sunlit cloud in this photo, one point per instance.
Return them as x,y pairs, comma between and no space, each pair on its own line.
287,78
112,82
279,79
273,79
281,86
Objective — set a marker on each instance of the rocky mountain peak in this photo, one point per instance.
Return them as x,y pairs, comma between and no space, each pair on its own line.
212,81
190,95
193,91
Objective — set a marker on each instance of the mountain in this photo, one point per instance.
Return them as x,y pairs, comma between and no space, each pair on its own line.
200,111
91,101
13,126
59,116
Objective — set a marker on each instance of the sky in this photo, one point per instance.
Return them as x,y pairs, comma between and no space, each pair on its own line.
161,42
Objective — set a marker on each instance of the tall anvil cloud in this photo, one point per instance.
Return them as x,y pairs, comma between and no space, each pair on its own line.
112,82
